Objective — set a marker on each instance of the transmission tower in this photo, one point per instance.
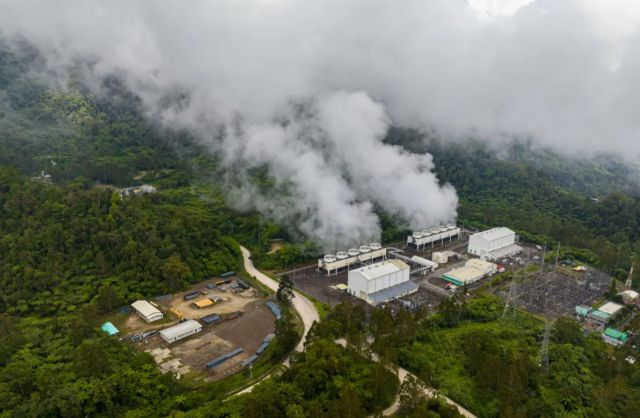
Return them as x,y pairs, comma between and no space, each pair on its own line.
543,354
627,284
511,298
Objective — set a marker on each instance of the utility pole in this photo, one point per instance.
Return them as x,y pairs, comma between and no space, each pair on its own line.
557,254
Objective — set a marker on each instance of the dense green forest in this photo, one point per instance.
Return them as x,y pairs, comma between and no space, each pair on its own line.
73,251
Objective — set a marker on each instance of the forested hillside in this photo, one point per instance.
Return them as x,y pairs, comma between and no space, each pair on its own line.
494,191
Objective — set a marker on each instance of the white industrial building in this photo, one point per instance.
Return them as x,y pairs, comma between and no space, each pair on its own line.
147,311
333,263
484,267
436,235
381,282
494,244
180,331
610,308
472,271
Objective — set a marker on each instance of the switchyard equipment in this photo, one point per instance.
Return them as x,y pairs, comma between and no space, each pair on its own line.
147,311
494,244
433,236
381,282
180,331
219,360
333,263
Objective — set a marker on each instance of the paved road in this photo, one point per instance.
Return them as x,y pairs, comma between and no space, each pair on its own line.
402,375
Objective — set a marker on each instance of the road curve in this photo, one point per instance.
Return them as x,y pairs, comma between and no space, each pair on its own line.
402,375
305,308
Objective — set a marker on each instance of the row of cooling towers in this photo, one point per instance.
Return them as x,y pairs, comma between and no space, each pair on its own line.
434,231
352,252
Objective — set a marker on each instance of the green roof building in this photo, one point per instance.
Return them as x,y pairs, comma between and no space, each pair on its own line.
614,337
109,328
582,310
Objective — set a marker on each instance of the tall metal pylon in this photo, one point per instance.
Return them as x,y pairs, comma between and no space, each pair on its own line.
627,284
543,354
511,298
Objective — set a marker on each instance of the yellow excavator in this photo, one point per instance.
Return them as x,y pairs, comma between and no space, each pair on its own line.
176,312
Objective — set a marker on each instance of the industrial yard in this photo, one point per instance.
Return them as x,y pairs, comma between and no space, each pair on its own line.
554,292
194,330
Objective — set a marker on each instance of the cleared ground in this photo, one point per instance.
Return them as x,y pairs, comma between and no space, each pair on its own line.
192,353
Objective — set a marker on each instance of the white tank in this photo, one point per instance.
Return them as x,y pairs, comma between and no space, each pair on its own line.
375,246
353,252
417,235
341,255
364,249
329,258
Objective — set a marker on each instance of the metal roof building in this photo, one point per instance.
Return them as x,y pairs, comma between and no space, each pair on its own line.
464,275
109,328
483,266
180,331
614,337
493,243
610,308
381,282
147,311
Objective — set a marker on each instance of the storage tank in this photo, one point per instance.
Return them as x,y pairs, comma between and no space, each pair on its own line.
329,258
440,258
353,252
375,246
341,255
364,249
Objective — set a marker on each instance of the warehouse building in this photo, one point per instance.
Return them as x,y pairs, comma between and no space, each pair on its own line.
484,267
493,244
611,308
381,282
147,311
472,271
614,337
464,275
180,331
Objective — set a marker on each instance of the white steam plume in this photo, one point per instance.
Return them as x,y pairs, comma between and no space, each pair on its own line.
565,72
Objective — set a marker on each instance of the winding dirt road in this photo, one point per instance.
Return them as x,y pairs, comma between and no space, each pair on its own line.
402,375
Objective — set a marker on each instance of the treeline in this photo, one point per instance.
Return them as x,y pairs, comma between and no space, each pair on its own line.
63,246
492,365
